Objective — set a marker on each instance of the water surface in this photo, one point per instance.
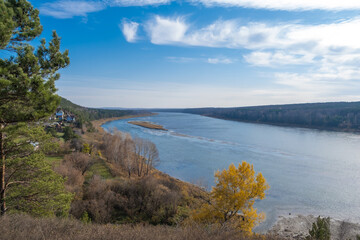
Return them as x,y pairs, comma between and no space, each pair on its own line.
309,171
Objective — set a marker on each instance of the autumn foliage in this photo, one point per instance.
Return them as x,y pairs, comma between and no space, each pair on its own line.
233,197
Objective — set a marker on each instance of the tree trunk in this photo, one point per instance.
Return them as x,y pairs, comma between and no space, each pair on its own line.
2,172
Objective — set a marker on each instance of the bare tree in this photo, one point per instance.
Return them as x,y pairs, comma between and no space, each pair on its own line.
129,154
151,156
134,155
79,161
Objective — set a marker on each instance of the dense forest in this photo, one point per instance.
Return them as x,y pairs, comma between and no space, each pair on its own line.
342,116
89,114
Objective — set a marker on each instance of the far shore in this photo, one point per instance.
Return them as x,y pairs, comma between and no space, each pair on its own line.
289,125
98,123
148,125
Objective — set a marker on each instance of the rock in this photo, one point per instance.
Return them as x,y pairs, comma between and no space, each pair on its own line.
298,228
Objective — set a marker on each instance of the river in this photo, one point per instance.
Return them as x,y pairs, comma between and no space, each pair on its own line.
309,171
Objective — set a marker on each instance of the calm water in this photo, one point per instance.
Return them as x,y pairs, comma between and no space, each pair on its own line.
309,171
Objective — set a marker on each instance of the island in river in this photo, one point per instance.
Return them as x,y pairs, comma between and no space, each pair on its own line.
148,125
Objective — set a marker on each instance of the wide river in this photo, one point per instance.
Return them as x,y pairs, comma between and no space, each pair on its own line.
309,171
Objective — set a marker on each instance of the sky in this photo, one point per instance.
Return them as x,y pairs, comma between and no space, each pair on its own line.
206,53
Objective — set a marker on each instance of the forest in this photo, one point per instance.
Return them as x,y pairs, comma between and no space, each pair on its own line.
89,114
339,116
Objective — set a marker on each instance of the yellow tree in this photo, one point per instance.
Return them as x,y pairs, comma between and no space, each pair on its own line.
232,199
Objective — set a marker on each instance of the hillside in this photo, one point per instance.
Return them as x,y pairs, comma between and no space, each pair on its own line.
90,114
339,116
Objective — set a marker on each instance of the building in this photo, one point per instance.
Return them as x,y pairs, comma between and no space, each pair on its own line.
70,118
59,115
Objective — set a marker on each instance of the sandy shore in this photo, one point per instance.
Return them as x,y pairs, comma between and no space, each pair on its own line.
98,123
298,228
147,125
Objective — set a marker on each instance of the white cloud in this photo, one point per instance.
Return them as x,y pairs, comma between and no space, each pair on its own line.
130,3
129,30
277,58
331,52
68,9
71,8
167,30
329,49
289,5
322,38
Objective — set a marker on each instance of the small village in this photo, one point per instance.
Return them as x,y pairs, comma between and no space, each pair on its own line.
59,120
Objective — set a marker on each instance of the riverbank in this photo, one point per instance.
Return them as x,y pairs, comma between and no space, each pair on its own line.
298,227
148,125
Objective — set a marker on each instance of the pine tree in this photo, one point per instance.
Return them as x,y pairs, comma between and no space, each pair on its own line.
31,185
27,80
320,229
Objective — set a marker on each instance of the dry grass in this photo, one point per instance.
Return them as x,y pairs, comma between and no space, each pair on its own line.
19,227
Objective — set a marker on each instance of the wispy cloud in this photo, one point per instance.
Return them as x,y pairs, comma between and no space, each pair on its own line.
289,5
71,8
278,58
219,60
130,3
129,30
336,37
183,59
68,9
331,52
213,60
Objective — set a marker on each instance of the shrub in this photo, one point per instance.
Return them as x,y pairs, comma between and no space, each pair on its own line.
320,229
19,227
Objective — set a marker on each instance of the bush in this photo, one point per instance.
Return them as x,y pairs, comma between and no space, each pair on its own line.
73,168
131,201
68,134
51,131
320,229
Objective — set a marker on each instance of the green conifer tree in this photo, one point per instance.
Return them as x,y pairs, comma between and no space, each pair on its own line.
27,93
320,229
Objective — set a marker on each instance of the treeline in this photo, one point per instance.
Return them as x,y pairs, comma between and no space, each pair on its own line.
342,116
90,114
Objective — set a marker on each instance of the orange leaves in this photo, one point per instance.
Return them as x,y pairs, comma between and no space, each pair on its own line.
233,197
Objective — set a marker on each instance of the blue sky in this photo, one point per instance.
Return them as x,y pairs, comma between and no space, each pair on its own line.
201,53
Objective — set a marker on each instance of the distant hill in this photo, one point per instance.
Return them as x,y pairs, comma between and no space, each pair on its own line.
340,116
89,114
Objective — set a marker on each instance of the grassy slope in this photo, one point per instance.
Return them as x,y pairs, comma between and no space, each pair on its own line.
19,227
